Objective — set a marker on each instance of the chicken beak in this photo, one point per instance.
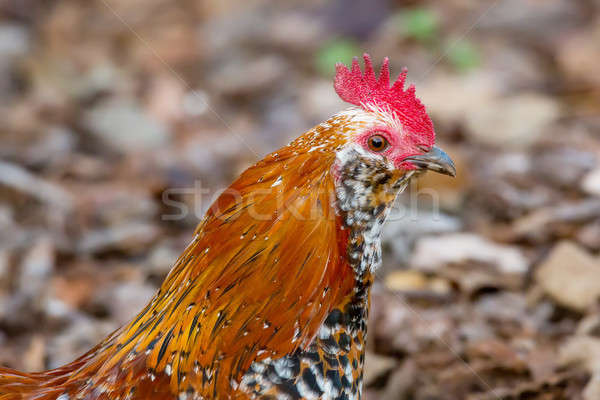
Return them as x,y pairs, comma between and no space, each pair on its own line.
434,160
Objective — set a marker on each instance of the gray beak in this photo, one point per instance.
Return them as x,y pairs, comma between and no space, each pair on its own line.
434,160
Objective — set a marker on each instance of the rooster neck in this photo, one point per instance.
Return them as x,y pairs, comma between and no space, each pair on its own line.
290,283
366,188
330,367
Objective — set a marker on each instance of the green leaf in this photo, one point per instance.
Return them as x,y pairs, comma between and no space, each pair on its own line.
464,56
334,51
419,23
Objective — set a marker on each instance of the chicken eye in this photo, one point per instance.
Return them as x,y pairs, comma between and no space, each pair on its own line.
377,143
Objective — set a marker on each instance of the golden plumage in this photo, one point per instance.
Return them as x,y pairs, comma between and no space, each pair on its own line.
254,276
271,296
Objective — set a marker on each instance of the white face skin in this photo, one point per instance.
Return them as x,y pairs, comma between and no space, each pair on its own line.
378,134
359,163
369,177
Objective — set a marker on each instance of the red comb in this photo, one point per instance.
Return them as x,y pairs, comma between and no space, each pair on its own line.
365,89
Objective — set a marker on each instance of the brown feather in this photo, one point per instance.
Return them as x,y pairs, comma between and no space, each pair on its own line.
254,276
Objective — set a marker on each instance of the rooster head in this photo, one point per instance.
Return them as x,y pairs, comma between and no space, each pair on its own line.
390,124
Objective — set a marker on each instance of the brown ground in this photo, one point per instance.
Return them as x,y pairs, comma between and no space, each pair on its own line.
490,283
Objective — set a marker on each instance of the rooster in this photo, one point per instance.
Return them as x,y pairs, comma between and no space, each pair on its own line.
270,299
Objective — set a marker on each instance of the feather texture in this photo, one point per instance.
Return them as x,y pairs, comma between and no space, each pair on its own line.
255,275
270,299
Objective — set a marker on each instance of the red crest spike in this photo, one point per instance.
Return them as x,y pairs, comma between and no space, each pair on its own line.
366,91
384,74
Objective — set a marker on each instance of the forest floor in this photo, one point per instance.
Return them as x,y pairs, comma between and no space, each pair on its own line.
121,120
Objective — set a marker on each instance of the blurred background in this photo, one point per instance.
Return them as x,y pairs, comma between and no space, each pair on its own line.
490,282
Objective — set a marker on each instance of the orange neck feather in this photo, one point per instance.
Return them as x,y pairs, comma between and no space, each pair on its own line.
267,264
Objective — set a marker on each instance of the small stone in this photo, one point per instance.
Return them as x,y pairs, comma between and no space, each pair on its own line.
76,339
581,349
37,266
450,98
259,74
401,382
585,351
318,101
376,366
4,266
439,285
166,98
589,236
127,299
57,143
14,44
570,276
531,18
592,388
562,166
14,40
476,277
70,292
161,259
411,280
125,127
195,103
591,183
589,325
405,225
539,222
295,31
513,122
577,55
23,181
406,280
435,251
33,359
500,352
57,310
126,237
491,117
